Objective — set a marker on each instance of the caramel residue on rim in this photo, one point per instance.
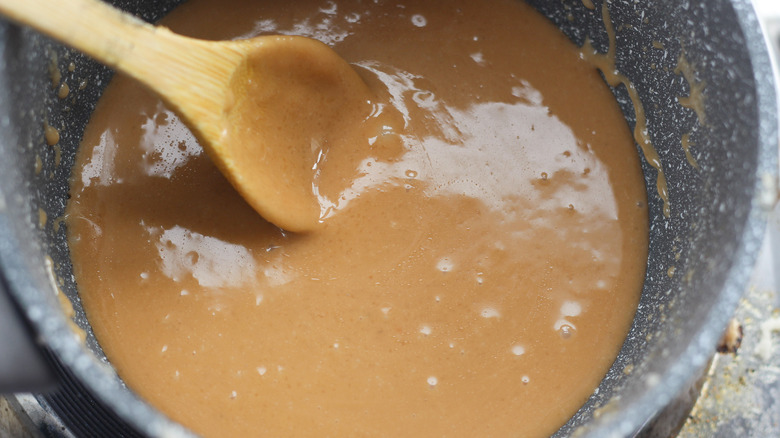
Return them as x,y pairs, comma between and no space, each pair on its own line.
605,62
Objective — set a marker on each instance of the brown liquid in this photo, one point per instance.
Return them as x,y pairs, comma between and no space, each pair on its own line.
477,278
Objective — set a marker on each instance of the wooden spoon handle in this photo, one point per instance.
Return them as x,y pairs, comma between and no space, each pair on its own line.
176,67
90,26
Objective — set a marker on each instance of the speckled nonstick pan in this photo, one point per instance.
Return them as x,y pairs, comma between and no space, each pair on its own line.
700,257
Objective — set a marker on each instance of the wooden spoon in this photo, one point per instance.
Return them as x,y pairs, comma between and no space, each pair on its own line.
262,108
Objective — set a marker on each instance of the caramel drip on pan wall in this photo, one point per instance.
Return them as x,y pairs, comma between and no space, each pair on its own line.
694,101
695,98
606,64
686,145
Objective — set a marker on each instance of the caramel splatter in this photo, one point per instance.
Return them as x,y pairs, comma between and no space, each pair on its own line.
51,134
64,91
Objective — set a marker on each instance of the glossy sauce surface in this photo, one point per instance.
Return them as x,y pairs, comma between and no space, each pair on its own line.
477,276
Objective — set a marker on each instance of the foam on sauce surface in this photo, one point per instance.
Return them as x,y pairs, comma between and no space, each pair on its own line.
476,278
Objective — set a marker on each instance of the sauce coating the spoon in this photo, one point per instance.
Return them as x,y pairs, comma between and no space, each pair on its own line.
293,103
476,277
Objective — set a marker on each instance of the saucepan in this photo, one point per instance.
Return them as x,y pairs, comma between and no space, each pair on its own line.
702,72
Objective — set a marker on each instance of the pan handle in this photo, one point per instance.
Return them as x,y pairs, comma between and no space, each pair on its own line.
22,365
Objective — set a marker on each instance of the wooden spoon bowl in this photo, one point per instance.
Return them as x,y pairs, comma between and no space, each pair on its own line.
262,108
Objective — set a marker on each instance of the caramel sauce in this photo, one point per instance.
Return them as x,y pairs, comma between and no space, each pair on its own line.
476,277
